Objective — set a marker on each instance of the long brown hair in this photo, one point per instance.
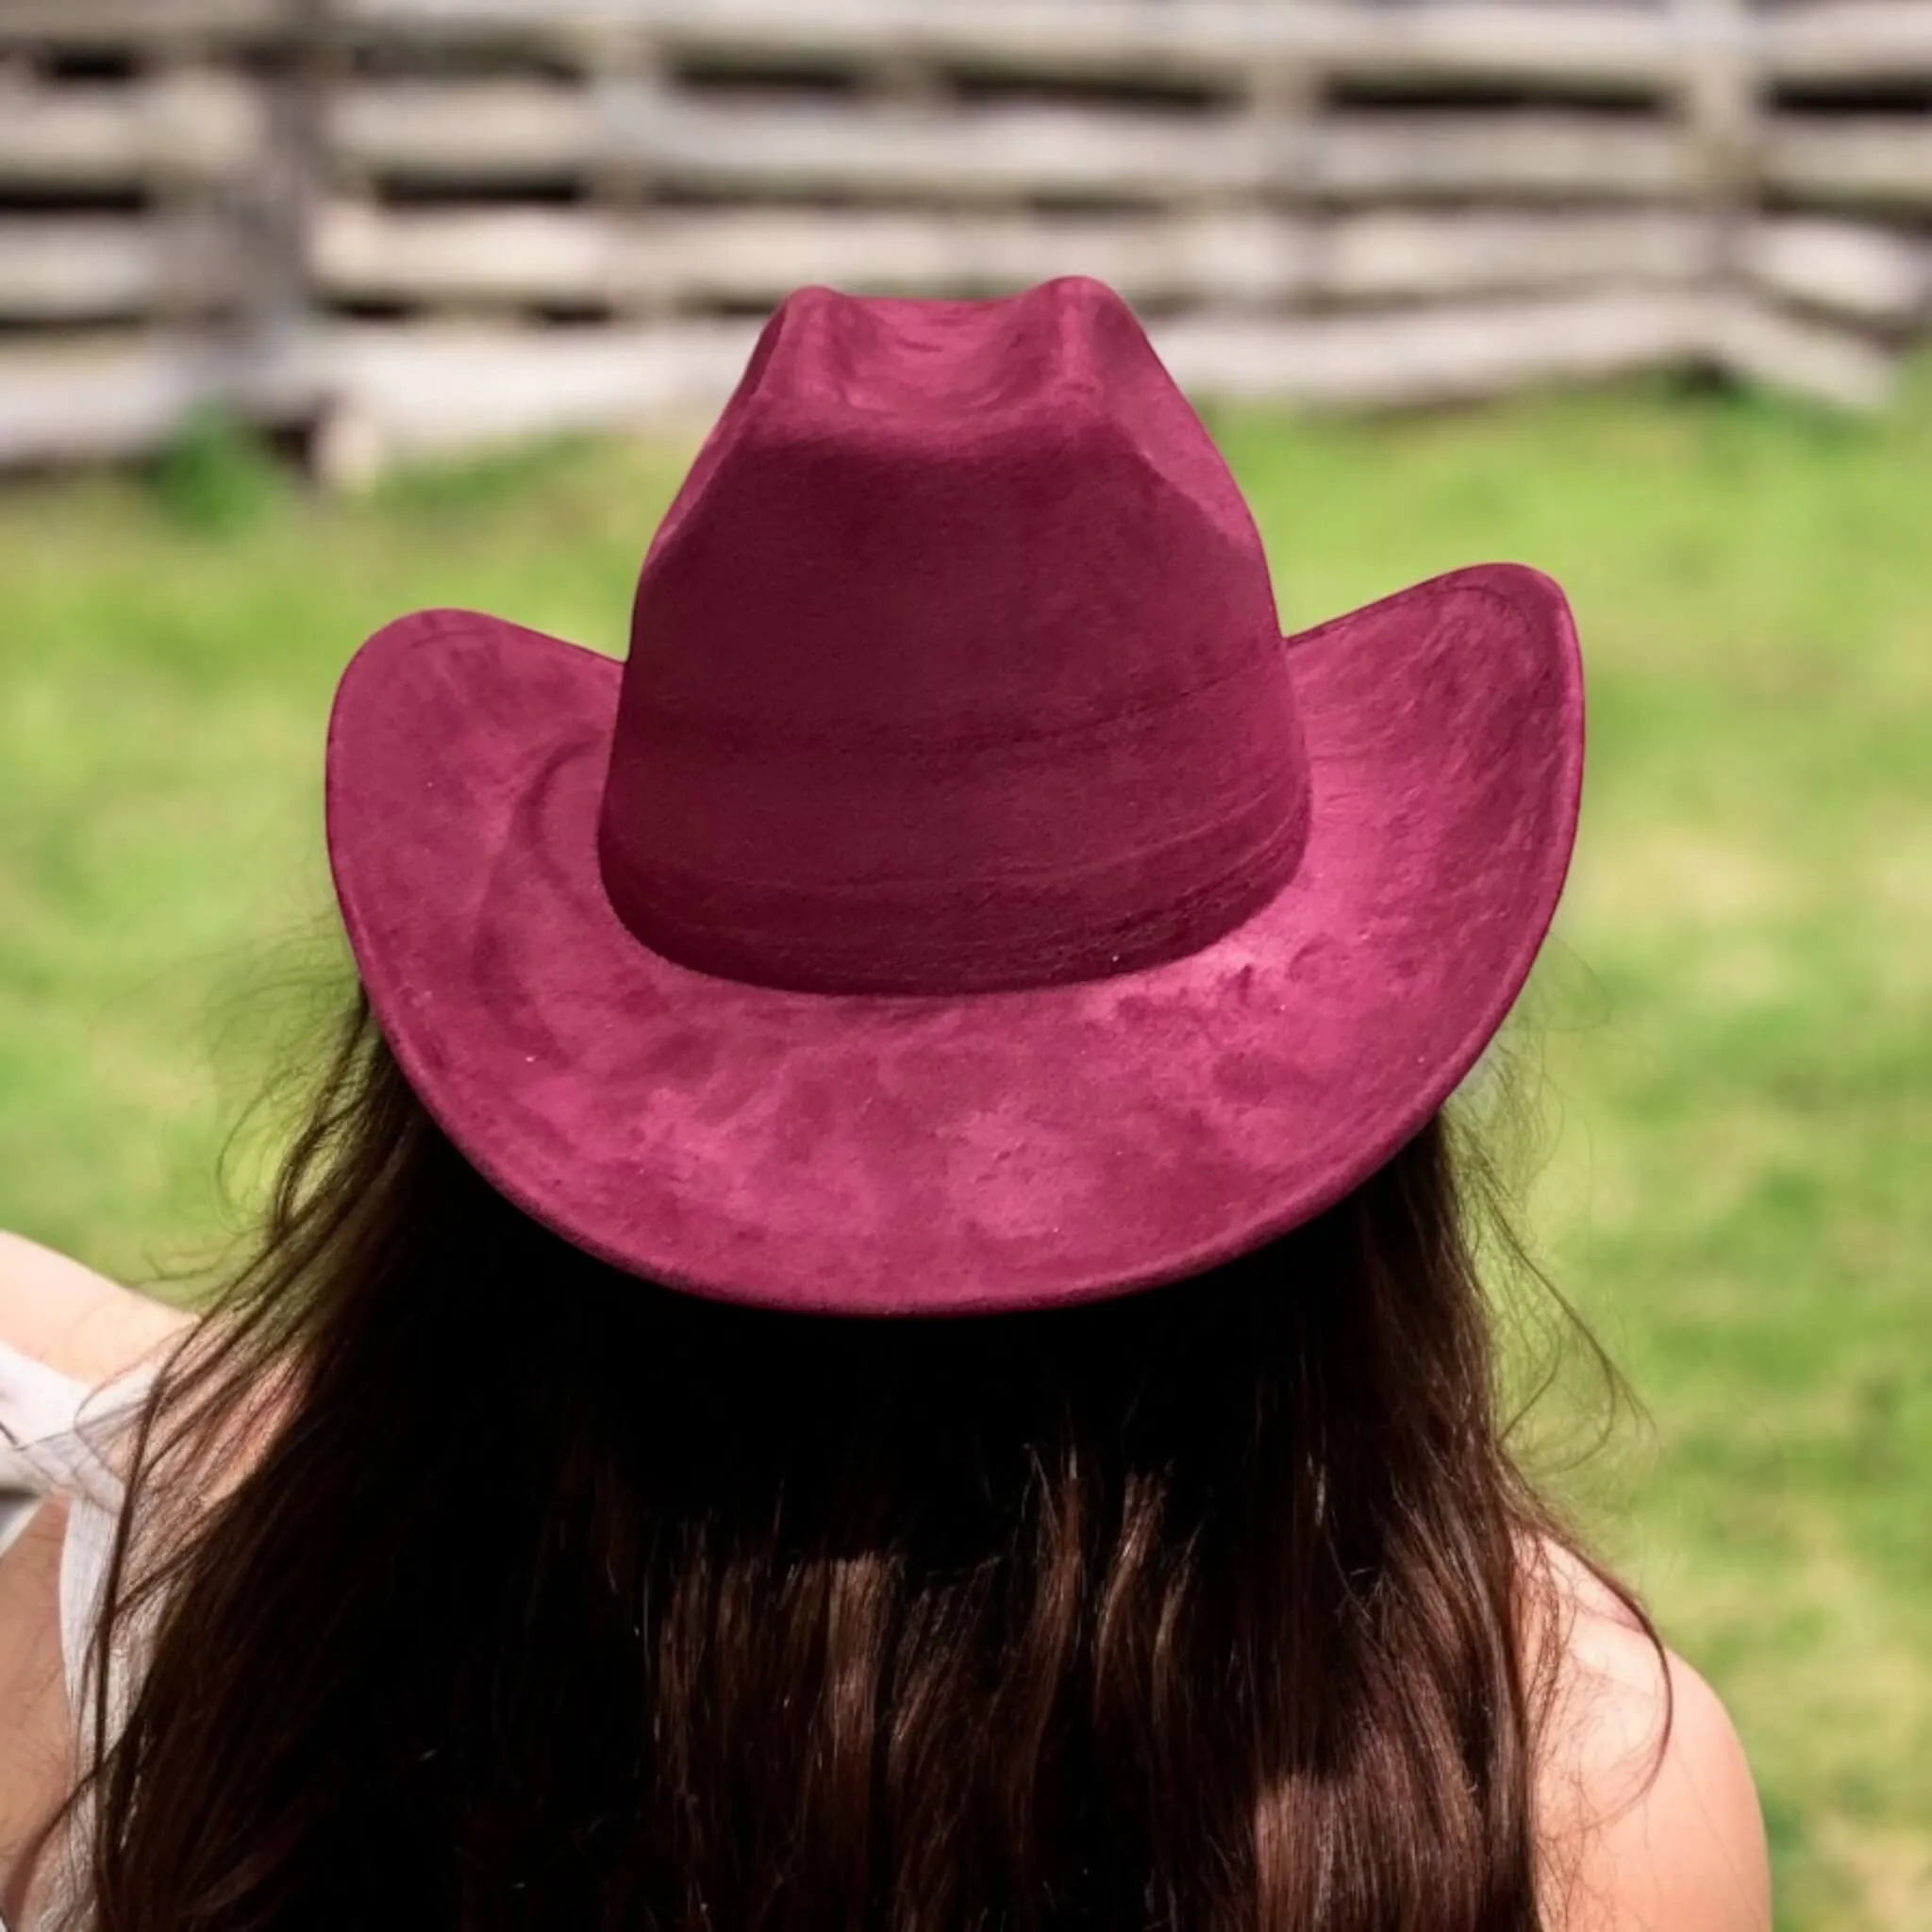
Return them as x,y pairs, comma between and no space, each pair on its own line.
546,1598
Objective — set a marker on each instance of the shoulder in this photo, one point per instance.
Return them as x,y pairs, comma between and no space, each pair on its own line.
1649,1814
35,1756
89,1330
70,1319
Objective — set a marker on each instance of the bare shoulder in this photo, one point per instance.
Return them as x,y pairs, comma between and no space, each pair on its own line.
1649,1813
35,1760
90,1330
74,1319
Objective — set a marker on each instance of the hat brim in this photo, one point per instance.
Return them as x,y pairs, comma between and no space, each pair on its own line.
869,1154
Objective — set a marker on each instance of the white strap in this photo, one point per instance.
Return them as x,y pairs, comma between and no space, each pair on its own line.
50,1426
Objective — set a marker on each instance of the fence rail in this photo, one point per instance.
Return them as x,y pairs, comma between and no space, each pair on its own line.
684,257
411,222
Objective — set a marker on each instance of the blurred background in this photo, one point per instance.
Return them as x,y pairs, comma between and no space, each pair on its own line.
312,312
390,226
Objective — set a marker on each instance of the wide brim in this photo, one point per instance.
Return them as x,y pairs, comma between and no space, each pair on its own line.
869,1154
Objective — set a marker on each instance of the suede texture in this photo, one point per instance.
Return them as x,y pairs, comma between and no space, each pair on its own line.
955,666
962,898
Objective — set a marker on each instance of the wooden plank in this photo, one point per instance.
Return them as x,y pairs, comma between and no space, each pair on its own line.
1616,49
572,256
1589,47
475,132
414,388
1832,365
89,268
1879,161
438,388
77,402
428,388
1585,48
518,255
90,399
1847,41
996,152
186,127
422,389
1844,266
141,24
1439,353
1404,253
1546,155
1447,352
503,130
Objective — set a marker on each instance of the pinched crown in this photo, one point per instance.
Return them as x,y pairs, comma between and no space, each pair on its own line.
954,665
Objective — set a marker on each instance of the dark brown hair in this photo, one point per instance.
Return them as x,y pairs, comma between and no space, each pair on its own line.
546,1598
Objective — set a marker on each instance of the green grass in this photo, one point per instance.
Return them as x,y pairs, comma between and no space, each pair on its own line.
1734,1025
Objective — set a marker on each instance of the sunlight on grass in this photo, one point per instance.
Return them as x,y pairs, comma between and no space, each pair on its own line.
1731,1047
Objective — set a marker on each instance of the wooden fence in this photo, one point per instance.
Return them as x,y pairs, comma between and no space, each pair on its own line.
412,222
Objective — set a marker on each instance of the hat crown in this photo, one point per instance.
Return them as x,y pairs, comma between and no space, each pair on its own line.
954,664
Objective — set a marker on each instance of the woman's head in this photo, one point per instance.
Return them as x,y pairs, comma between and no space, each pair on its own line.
553,1598
961,899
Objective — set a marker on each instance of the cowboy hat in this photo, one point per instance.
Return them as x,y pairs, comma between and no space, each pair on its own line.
962,897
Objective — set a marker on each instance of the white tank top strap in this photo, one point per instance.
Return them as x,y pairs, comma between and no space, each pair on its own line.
54,1434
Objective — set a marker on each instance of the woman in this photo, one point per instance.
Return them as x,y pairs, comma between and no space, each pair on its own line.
873,1323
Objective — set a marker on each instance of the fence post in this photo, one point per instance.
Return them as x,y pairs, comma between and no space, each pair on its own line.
1719,96
274,316
629,89
1284,90
344,447
192,207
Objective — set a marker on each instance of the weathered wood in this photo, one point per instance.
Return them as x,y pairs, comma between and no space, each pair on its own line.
1592,48
419,389
1862,273
1830,364
1240,208
1718,88
269,213
1455,251
1434,354
412,389
520,254
87,399
1611,48
536,132
1584,48
1546,155
142,23
489,131
193,126
1882,162
478,132
558,256
1847,41
438,387
73,402
1422,356
58,271
94,268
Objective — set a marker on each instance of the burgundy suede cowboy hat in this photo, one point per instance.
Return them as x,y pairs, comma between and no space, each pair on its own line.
962,898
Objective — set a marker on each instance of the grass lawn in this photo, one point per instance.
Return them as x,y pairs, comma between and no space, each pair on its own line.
1733,1027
